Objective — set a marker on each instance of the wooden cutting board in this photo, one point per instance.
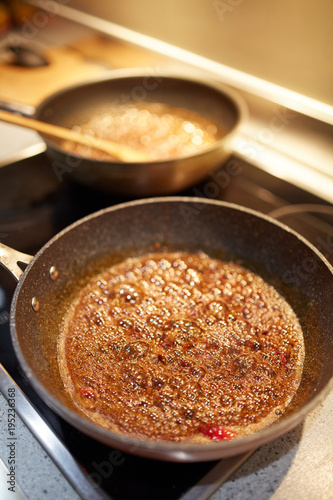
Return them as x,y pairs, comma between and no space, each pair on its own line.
80,61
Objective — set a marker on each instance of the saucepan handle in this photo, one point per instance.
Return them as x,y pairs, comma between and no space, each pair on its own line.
10,260
18,108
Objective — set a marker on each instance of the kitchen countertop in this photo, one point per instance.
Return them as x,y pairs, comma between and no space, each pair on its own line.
298,465
35,473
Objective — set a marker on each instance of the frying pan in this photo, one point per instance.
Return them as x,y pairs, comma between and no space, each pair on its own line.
227,231
76,104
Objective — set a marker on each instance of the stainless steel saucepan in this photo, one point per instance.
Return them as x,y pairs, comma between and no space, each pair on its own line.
75,105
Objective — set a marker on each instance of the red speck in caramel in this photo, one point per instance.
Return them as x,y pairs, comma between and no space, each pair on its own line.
283,357
218,433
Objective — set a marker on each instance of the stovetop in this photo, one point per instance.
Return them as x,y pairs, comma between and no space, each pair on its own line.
34,206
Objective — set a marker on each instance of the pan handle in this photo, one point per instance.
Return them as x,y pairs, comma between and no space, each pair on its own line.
18,108
11,259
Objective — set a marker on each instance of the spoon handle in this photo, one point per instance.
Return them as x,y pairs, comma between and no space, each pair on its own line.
120,151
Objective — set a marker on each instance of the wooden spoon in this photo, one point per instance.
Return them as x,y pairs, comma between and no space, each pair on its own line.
120,151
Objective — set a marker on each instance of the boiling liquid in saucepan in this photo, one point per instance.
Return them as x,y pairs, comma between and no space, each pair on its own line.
157,129
181,347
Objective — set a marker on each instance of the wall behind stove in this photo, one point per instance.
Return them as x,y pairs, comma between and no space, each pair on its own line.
288,42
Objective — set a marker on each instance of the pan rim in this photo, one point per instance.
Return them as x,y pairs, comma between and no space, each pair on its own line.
189,76
178,452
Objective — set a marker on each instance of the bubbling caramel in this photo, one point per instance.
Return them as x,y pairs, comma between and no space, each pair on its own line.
159,130
181,347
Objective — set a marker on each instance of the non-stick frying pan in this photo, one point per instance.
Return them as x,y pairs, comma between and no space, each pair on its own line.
76,104
283,258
